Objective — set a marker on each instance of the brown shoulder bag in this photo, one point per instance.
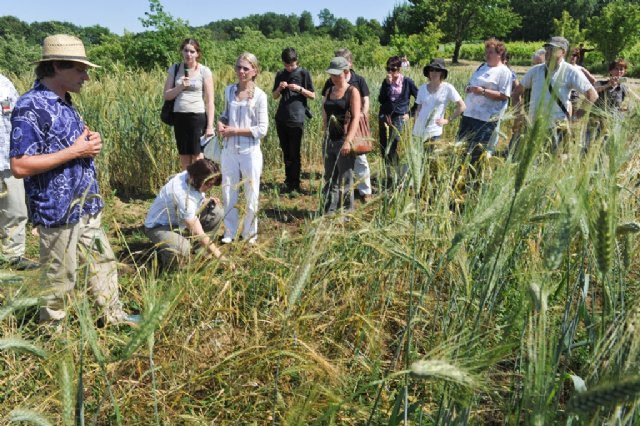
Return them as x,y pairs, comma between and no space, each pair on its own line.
362,141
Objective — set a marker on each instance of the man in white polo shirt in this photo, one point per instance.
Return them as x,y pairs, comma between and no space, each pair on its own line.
551,84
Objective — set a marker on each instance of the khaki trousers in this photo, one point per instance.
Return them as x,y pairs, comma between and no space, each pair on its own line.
13,215
60,250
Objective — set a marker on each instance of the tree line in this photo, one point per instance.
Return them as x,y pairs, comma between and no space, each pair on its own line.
414,28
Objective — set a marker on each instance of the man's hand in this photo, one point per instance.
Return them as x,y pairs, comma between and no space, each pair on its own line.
88,144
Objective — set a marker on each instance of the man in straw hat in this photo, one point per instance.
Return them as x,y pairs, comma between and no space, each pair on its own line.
54,150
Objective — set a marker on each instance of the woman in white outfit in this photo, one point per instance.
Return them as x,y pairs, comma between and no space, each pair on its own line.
432,101
241,126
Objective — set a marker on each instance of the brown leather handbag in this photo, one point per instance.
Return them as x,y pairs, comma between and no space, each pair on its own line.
362,141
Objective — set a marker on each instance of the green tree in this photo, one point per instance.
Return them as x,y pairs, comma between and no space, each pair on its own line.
615,29
159,45
461,20
306,22
327,21
94,34
343,29
568,28
367,30
10,25
419,48
17,54
539,16
404,19
39,30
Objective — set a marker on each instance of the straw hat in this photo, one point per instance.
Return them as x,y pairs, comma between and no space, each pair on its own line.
62,47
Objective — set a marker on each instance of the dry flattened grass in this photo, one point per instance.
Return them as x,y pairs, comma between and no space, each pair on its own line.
313,322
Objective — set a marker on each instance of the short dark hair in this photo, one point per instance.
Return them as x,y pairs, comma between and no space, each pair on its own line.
618,63
193,42
394,62
289,55
46,68
201,170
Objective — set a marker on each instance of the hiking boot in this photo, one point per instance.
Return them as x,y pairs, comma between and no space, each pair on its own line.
22,264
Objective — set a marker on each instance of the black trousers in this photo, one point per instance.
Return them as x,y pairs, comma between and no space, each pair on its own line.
188,127
290,141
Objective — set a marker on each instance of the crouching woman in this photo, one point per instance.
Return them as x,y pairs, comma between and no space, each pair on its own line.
182,205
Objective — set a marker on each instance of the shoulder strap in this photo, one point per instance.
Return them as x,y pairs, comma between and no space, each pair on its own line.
554,95
175,74
347,97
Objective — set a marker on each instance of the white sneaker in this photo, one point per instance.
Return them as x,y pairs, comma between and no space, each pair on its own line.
252,241
226,240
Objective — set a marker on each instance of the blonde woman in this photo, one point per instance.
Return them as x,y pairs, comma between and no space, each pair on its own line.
191,85
241,126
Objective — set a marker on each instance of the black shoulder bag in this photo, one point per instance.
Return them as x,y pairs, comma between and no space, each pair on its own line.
166,114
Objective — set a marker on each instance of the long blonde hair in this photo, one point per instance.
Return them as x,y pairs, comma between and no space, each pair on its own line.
253,61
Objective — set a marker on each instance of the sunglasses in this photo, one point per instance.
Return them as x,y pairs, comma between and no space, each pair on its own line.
392,69
241,68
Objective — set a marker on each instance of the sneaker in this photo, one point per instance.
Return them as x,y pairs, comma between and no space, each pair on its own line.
226,240
123,319
23,264
252,241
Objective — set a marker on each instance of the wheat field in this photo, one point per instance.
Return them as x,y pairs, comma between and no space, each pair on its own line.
505,296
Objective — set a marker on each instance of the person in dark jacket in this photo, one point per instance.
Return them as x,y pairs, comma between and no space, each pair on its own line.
395,95
293,86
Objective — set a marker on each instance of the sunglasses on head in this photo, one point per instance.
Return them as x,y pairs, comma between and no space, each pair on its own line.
241,68
392,69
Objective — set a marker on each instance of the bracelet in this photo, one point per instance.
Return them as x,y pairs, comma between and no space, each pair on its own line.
300,90
484,92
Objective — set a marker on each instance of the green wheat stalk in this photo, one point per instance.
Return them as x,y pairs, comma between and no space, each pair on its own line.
19,345
20,415
605,395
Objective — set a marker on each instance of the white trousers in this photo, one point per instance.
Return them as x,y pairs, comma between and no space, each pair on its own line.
362,174
241,165
13,215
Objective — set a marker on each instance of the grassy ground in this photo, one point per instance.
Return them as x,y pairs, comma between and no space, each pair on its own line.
448,300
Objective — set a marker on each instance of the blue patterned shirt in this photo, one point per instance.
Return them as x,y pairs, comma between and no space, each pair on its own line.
43,123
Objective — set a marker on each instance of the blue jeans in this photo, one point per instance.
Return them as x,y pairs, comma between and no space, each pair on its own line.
477,133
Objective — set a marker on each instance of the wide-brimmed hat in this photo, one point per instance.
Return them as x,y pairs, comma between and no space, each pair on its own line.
63,47
559,42
437,64
338,65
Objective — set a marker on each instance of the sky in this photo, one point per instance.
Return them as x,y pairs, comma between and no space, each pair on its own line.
121,15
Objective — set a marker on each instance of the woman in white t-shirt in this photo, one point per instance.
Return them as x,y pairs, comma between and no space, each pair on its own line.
487,97
191,86
432,101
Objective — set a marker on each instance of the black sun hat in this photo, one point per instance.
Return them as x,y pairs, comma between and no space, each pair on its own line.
437,64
